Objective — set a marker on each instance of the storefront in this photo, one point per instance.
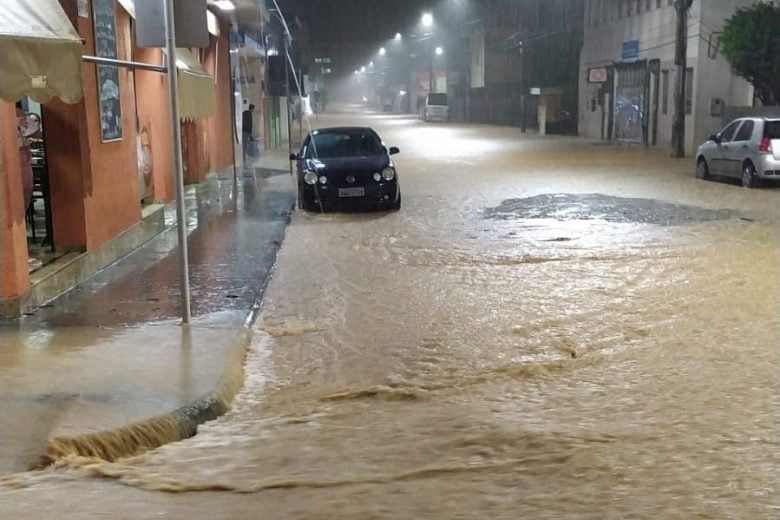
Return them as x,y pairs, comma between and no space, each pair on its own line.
40,64
104,149
196,104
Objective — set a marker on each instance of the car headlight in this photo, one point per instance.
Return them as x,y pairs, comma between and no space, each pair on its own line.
323,179
377,176
388,174
310,178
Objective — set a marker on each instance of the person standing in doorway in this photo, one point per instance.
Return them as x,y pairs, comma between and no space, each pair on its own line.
25,155
246,131
25,129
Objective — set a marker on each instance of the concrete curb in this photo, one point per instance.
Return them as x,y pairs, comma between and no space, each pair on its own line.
182,423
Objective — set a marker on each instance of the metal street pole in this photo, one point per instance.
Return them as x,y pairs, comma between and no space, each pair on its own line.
431,79
181,223
680,60
287,102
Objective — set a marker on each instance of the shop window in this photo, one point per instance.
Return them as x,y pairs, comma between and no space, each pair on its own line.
664,91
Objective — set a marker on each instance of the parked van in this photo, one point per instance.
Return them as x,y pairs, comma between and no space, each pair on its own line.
436,108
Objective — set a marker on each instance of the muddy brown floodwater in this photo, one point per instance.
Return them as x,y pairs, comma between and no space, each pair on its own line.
547,329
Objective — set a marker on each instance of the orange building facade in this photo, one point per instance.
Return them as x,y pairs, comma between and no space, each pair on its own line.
98,187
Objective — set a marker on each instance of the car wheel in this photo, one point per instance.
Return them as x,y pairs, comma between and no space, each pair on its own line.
702,170
307,205
749,177
397,204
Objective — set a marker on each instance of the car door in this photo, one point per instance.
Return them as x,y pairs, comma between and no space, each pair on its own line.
719,162
735,152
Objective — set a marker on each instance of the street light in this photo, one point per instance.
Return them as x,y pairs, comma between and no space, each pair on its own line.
439,51
382,51
398,37
225,5
370,64
362,69
427,19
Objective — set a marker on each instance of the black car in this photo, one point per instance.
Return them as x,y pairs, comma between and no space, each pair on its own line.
346,168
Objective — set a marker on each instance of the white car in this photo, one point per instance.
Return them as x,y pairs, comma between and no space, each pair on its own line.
437,108
747,148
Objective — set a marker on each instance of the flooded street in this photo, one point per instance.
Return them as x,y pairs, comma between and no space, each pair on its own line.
547,329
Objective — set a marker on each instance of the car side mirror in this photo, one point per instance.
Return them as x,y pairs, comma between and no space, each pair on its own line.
715,138
293,156
394,150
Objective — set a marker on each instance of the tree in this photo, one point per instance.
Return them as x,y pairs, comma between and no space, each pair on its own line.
751,43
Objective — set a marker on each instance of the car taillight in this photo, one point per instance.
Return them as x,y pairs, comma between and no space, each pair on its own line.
765,146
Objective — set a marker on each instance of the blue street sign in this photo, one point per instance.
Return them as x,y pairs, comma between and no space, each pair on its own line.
631,50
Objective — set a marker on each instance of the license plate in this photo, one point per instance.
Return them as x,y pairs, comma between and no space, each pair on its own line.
352,192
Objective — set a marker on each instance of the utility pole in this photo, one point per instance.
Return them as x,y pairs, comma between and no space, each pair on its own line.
680,60
431,72
523,89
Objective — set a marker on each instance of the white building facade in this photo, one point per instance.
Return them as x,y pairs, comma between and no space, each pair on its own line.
627,71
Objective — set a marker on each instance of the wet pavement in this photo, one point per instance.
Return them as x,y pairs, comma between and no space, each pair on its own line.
111,351
233,239
547,329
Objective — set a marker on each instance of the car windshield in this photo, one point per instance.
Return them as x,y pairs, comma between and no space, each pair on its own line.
346,143
439,100
772,129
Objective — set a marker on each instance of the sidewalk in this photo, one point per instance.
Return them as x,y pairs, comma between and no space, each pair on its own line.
106,368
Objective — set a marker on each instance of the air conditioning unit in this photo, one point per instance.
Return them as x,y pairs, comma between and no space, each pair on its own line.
716,107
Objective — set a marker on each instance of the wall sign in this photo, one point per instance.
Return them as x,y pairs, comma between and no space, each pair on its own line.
107,75
83,8
631,50
598,75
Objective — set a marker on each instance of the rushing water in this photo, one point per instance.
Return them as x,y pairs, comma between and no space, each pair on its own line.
547,329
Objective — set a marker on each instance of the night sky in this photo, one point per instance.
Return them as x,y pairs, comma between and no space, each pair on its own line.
351,31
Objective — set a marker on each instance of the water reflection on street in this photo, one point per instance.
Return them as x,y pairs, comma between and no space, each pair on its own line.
547,329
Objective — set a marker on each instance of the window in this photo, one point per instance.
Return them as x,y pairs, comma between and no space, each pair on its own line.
347,143
688,91
745,131
657,4
589,12
664,91
649,5
772,129
729,131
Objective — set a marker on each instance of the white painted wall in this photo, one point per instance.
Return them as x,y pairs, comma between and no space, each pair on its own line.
716,76
605,33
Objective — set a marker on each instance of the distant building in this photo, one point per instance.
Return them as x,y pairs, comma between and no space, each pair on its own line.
514,49
627,71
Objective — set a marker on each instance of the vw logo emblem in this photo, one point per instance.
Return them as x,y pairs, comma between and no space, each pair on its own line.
351,179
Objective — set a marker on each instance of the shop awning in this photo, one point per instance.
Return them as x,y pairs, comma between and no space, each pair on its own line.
196,87
40,52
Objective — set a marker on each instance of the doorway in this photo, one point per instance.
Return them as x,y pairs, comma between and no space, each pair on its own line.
630,103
